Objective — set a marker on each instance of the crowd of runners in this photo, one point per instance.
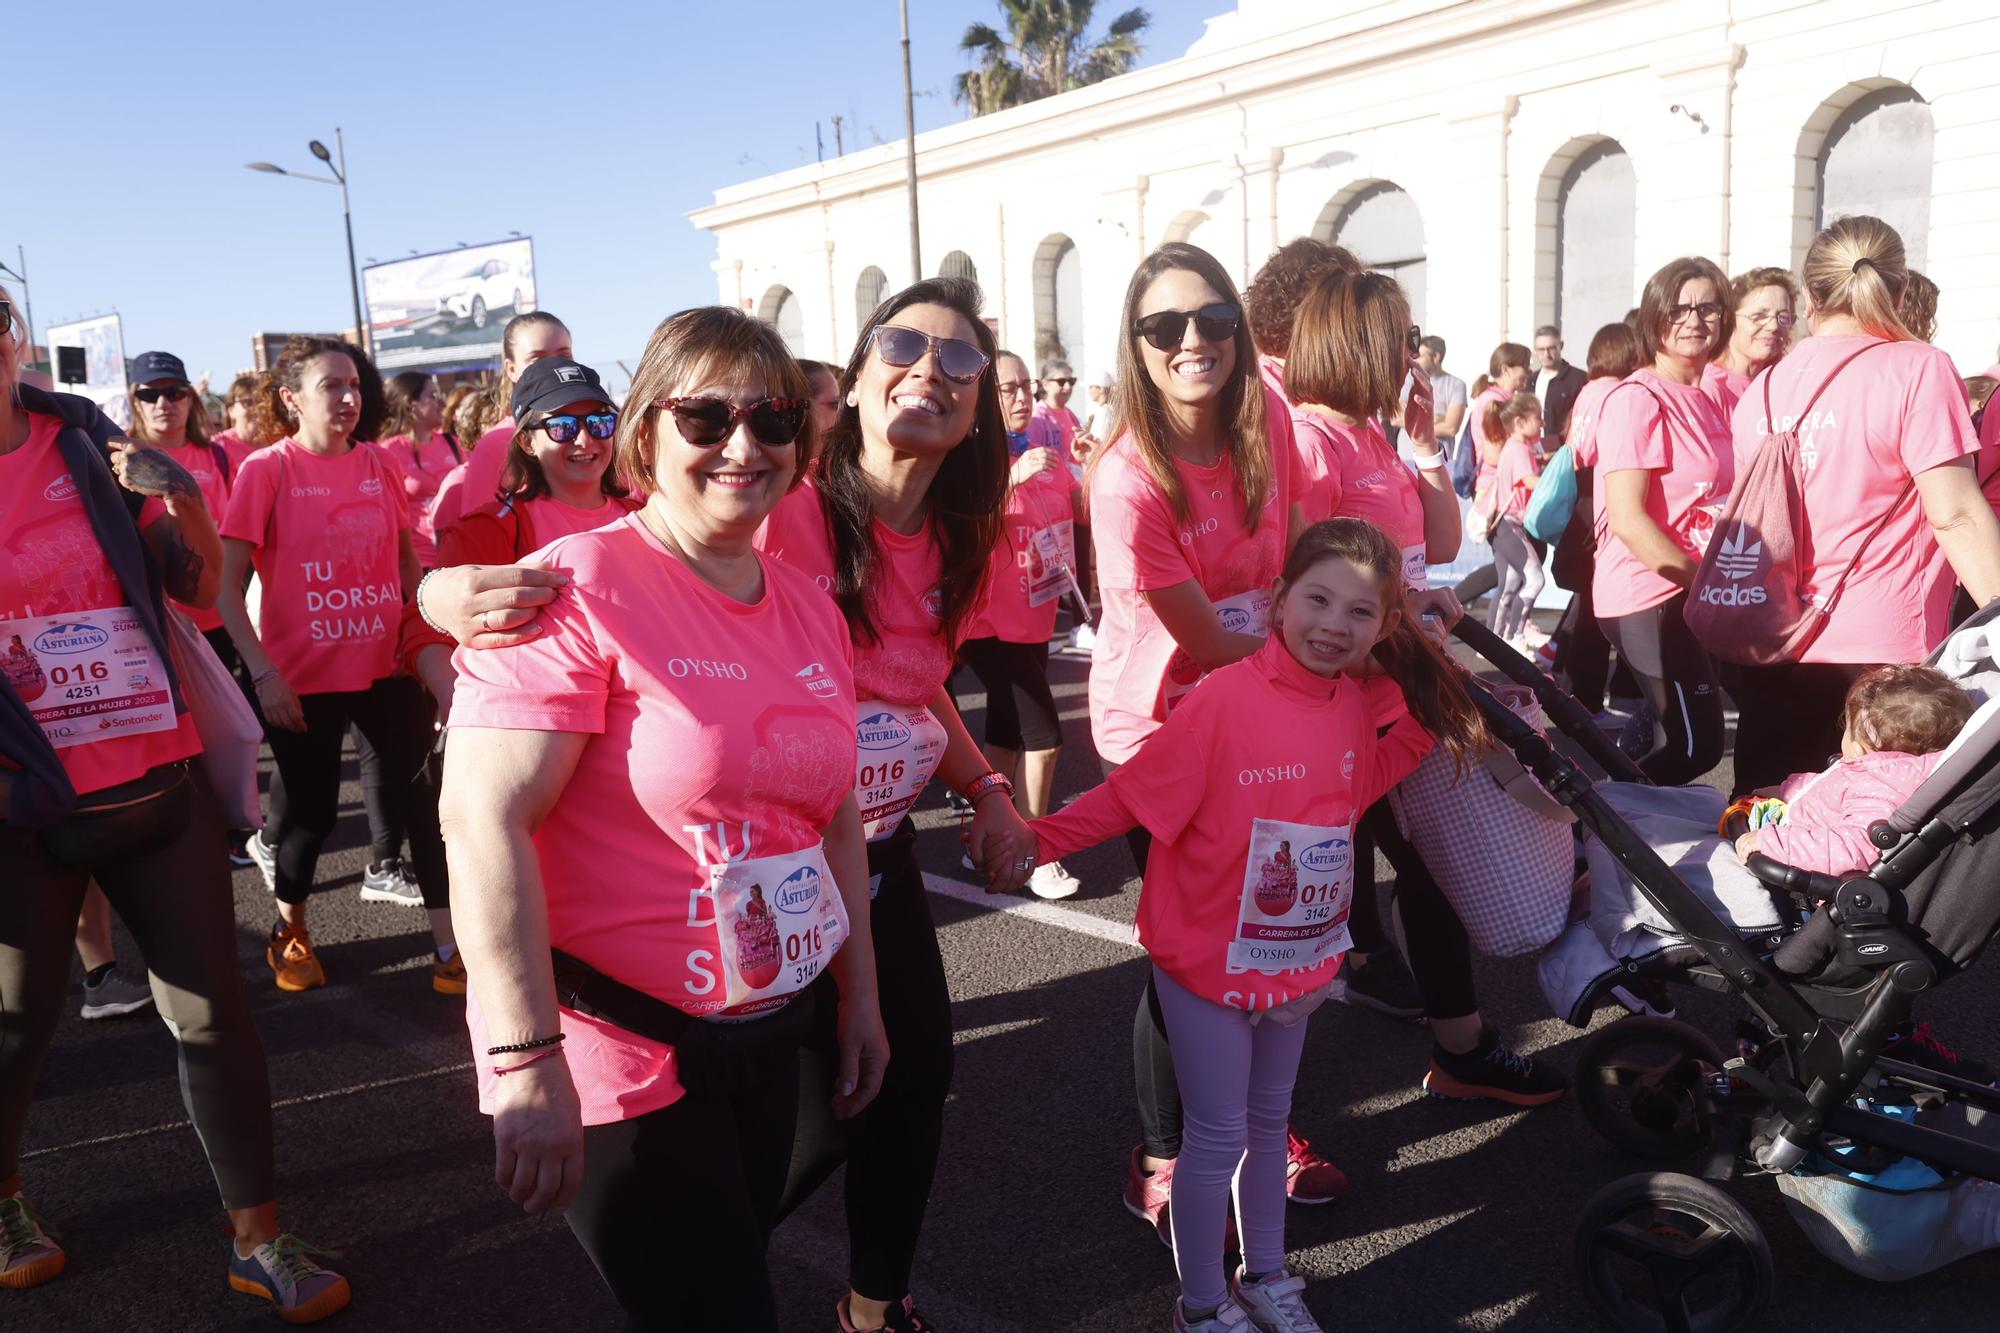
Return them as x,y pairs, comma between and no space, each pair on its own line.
645,687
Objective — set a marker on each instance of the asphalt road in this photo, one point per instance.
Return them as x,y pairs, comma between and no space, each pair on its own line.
1460,1217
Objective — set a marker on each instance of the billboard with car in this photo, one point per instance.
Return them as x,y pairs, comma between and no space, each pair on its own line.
446,310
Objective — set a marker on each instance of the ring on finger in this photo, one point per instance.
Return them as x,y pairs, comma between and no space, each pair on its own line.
483,626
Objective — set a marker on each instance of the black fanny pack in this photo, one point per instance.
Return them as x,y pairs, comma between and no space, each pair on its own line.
125,822
711,1057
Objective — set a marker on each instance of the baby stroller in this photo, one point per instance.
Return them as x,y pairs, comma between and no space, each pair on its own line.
1808,1091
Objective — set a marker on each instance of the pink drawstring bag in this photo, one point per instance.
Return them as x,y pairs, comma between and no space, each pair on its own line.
1746,604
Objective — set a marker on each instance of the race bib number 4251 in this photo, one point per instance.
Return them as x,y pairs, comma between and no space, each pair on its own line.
87,675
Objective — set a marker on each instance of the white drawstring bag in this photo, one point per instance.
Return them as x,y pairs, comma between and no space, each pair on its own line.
223,718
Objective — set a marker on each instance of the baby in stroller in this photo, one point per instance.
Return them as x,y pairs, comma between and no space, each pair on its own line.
1899,719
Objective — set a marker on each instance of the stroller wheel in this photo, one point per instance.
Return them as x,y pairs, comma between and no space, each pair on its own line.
1643,1084
1661,1252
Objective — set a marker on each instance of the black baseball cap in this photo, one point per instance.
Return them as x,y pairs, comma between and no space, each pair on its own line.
150,366
553,383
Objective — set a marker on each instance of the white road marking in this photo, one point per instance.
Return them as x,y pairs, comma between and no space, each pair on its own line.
1034,909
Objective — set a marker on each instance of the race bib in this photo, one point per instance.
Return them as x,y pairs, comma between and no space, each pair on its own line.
1051,557
899,750
1298,886
1245,613
1416,570
87,675
778,919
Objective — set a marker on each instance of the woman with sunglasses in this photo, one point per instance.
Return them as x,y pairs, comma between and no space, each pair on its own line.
324,521
240,439
628,795
1759,329
528,338
898,522
1664,464
167,414
421,451
98,780
1193,508
1053,425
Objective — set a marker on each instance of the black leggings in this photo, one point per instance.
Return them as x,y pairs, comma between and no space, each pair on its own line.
161,864
1789,718
892,1147
391,714
388,822
677,1205
1678,678
1020,707
1440,958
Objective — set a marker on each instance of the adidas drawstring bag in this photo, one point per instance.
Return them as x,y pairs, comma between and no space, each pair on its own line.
1746,604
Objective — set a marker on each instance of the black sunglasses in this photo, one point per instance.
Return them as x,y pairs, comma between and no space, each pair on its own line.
1063,381
706,422
1416,340
563,427
960,361
152,395
1166,328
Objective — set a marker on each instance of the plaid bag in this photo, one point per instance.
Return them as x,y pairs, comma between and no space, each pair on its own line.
1499,847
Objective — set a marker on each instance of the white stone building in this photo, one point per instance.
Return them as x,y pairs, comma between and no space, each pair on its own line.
1515,162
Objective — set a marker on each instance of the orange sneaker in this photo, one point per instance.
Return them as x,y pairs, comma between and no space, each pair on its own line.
29,1253
290,954
448,975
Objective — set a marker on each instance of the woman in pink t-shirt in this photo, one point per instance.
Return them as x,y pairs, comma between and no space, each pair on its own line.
421,451
1583,654
168,415
240,439
528,338
1888,442
1252,790
1515,560
1755,335
1033,567
324,522
1664,465
631,794
100,781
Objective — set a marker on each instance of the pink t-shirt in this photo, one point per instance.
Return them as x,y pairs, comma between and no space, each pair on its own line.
1682,438
1897,411
1725,386
1582,434
422,472
1141,546
200,462
1475,415
236,447
1053,427
1316,498
1514,477
1019,571
1369,480
325,534
1265,740
909,660
501,532
481,482
1989,451
52,565
717,731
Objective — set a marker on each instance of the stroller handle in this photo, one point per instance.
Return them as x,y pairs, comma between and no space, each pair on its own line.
1807,884
1568,716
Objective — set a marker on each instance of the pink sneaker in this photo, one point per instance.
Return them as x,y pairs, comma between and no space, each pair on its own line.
1146,1196
1309,1178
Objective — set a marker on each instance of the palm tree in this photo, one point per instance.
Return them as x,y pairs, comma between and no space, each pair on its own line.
1044,51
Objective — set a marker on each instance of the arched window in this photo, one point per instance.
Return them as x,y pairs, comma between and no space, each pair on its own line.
1183,227
1380,224
1596,219
1058,301
1876,159
781,307
958,264
869,289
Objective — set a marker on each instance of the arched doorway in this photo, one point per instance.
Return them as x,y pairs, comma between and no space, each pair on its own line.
781,308
869,289
1876,159
1058,301
958,264
1378,221
1596,219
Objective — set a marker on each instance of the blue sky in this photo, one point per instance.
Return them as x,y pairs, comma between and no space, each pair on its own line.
591,127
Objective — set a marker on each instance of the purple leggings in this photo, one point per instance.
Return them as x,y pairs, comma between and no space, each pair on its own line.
1236,1095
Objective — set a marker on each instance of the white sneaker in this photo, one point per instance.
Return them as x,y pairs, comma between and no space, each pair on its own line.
266,857
1230,1318
1052,881
1277,1304
965,860
1083,640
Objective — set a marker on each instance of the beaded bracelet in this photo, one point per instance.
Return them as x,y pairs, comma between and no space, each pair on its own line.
534,1045
428,576
501,1071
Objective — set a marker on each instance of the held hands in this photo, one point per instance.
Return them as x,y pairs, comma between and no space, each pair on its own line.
151,472
488,606
1000,843
864,1055
280,704
538,1137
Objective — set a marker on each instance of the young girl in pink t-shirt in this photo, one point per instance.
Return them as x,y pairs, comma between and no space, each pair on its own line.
1518,566
1251,790
423,454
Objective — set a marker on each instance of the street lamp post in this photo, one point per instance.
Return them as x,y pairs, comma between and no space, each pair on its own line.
910,151
339,177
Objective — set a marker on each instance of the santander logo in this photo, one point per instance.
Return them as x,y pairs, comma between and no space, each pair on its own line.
1739,557
62,488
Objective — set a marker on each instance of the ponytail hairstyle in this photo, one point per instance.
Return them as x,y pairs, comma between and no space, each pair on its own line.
1433,685
399,392
1856,267
1919,312
512,334
1507,356
1500,417
1349,345
965,496
1141,409
272,420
